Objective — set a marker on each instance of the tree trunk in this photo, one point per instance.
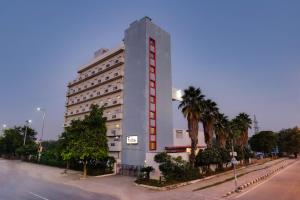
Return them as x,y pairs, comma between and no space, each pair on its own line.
193,133
84,169
206,134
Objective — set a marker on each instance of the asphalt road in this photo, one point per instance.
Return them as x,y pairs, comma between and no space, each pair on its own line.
15,185
283,186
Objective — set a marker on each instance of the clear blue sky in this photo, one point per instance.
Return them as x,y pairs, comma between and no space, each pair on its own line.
242,54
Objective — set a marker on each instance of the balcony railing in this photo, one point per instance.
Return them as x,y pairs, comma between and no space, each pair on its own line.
114,132
105,69
114,146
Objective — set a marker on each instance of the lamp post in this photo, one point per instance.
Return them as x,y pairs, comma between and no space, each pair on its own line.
25,133
4,126
41,138
234,162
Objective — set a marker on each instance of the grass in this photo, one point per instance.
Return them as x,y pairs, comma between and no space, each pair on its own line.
226,180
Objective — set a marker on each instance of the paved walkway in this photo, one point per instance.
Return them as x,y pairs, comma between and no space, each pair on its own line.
124,188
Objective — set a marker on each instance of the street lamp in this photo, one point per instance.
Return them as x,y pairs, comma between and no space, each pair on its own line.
44,115
40,146
234,162
26,127
4,126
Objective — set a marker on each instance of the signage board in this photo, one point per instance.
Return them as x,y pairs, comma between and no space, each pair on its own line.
132,139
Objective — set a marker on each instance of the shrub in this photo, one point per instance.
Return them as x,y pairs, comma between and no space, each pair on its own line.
146,171
176,169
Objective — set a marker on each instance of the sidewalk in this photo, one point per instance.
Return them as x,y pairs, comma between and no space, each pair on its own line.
123,187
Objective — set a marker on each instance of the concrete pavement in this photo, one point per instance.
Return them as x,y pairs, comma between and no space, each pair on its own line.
283,186
17,185
111,187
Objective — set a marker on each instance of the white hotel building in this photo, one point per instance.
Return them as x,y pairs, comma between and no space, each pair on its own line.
133,82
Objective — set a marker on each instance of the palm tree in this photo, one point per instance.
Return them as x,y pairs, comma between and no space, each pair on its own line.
208,120
191,109
221,128
246,123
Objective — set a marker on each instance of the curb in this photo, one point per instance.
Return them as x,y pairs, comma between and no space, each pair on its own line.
174,186
258,179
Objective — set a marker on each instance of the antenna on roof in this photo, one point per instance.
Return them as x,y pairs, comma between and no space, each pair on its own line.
255,125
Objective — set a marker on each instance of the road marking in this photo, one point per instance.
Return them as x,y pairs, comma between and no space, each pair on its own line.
240,195
36,195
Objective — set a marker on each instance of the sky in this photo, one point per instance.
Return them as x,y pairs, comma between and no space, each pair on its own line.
242,54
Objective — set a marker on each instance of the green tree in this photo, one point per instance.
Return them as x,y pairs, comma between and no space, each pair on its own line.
87,140
12,141
263,141
191,107
245,123
221,127
289,141
208,120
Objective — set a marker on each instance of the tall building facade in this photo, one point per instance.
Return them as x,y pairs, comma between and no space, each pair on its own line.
133,83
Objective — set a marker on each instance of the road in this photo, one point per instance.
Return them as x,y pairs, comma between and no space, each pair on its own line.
283,186
15,185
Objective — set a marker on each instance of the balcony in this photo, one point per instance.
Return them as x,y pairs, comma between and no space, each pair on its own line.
114,132
114,145
115,116
115,63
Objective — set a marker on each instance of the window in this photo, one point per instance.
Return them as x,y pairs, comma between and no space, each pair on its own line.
112,144
98,93
78,100
85,86
83,110
114,116
91,95
93,72
179,134
116,74
105,104
116,61
86,105
106,90
84,98
107,65
100,69
86,75
152,55
152,76
99,81
152,91
152,122
79,89
106,78
115,102
152,115
77,111
152,84
92,83
152,107
152,131
113,132
152,99
152,69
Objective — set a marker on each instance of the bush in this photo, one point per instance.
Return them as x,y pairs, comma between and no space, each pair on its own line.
146,172
176,169
207,157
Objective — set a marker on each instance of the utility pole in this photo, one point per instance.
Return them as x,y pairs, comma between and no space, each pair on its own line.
25,133
234,162
255,125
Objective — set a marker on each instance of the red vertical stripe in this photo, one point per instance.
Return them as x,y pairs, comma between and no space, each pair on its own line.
152,112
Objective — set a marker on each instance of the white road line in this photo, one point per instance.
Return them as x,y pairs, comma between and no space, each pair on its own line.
242,194
36,195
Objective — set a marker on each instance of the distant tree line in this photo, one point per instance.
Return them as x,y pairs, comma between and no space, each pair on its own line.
83,145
